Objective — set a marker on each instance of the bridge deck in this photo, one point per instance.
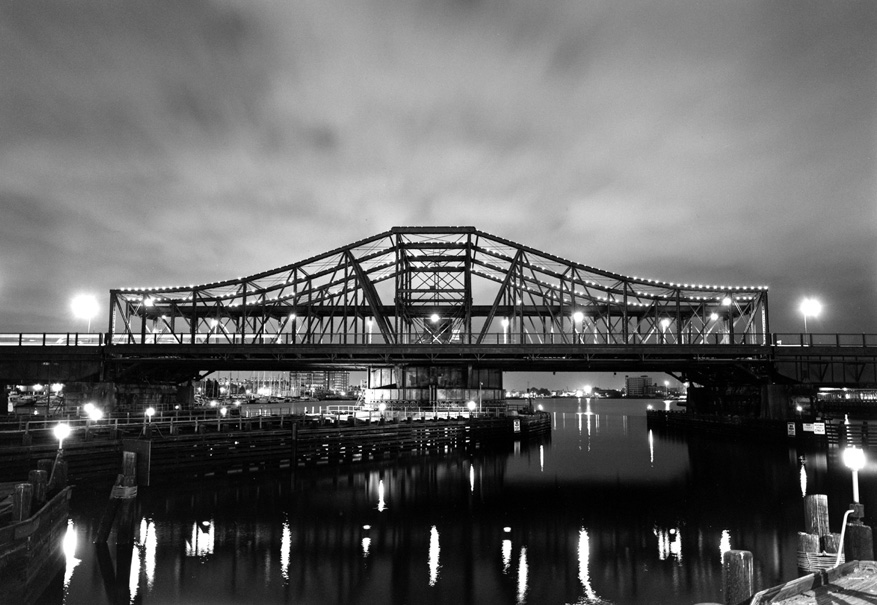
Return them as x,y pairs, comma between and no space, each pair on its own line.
825,360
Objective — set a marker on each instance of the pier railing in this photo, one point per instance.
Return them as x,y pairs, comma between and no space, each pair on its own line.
785,339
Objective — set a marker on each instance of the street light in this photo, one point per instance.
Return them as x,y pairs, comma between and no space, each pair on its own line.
665,323
62,431
810,307
84,307
577,318
854,459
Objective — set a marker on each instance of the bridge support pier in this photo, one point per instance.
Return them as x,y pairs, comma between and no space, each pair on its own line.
768,402
775,402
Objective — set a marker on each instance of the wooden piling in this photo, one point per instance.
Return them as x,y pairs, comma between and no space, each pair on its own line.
120,507
816,514
858,542
22,499
58,477
737,576
45,464
830,542
109,516
808,542
40,480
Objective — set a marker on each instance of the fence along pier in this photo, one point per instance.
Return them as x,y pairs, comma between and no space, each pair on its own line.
177,445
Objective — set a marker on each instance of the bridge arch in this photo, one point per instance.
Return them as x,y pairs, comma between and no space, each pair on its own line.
440,286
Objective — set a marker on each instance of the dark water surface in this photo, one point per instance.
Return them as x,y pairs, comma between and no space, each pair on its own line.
602,511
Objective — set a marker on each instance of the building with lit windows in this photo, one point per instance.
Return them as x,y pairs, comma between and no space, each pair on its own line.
319,381
639,386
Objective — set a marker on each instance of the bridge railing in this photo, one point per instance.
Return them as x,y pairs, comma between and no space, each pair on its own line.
74,339
824,340
491,339
46,339
413,339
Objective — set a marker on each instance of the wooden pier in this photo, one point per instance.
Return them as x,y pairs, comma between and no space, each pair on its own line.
853,583
176,446
33,518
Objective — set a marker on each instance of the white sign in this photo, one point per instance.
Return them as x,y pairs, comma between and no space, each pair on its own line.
517,426
819,428
790,429
808,428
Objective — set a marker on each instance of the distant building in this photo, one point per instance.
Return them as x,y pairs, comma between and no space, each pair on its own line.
319,381
639,386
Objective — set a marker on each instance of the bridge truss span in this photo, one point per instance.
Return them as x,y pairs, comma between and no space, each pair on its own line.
441,286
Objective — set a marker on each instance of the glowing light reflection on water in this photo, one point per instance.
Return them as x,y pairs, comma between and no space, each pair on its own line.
632,512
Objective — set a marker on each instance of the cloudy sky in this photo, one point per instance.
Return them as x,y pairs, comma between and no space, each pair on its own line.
157,142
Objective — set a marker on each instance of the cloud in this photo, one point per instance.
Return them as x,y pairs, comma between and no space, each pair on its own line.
161,142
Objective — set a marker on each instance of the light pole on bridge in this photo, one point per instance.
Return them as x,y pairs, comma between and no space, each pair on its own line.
85,307
810,307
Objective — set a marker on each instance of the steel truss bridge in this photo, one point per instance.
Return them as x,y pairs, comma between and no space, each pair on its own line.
444,295
454,296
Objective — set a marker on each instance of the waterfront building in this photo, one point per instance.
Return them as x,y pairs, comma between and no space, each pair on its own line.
639,386
319,381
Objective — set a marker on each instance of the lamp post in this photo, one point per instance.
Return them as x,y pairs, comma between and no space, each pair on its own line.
577,319
84,307
665,323
854,459
148,413
58,478
61,431
857,538
810,307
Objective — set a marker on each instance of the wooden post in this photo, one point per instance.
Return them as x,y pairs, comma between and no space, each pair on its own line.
737,576
109,516
294,455
39,480
45,464
808,542
858,542
22,497
58,478
830,542
123,496
125,533
816,514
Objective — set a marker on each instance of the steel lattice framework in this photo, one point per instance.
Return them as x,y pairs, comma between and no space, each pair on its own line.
440,286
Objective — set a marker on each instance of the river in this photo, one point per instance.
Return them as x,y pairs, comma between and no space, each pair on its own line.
601,511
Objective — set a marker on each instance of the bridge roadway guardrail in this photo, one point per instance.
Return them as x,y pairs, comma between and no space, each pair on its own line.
790,339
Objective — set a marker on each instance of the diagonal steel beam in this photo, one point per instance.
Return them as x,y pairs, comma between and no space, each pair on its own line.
372,298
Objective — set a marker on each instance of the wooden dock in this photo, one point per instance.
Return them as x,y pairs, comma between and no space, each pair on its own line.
853,583
33,518
187,445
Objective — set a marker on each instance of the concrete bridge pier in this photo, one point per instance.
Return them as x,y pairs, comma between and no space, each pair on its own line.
769,401
775,402
127,397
